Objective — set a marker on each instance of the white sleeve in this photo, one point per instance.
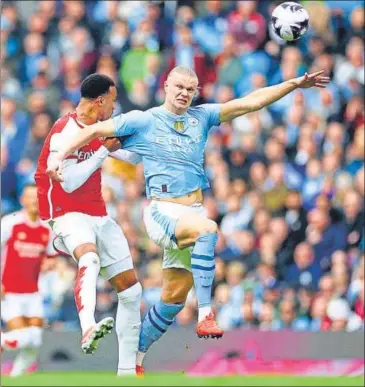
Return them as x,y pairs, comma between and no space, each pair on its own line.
75,174
7,224
57,143
127,156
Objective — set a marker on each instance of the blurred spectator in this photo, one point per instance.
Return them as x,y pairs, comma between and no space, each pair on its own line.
248,26
354,218
287,182
341,317
325,237
306,270
186,53
212,24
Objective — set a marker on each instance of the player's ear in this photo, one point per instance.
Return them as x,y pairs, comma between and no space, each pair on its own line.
197,93
101,100
165,86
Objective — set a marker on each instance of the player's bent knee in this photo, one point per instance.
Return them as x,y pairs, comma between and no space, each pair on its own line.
17,323
209,227
84,249
131,295
124,280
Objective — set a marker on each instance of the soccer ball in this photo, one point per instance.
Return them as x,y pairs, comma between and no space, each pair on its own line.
289,21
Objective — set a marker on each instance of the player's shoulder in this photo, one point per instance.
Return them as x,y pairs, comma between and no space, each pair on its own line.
12,219
66,123
203,109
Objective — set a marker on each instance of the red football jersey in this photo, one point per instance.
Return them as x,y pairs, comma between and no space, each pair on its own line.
24,245
53,200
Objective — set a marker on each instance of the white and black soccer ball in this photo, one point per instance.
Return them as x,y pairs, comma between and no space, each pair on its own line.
289,21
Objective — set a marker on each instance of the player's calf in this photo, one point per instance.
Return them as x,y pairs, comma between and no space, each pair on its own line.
205,232
155,323
128,324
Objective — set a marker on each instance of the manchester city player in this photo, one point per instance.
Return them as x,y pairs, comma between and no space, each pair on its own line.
171,139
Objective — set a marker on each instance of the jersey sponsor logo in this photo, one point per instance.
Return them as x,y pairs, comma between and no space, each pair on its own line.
177,143
192,121
82,156
21,235
28,249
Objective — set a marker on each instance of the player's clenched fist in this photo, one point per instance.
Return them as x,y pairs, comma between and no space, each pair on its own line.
112,144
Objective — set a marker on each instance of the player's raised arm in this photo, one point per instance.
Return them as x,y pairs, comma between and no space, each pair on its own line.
268,95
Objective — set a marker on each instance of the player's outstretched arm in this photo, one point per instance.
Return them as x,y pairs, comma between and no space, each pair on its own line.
268,95
100,129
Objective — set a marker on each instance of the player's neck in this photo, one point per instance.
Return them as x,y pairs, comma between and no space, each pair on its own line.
173,110
85,114
33,218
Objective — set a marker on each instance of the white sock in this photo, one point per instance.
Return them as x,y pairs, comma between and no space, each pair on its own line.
204,311
140,357
85,289
25,358
28,355
17,338
127,326
37,336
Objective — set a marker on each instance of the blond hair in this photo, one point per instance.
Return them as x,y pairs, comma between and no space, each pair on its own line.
183,70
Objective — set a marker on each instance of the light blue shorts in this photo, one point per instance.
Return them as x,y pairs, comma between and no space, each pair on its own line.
160,219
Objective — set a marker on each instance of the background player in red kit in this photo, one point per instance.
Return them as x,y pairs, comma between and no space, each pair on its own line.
77,214
25,242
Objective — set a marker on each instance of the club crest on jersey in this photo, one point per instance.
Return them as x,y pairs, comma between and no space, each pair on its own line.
193,121
22,235
179,126
44,237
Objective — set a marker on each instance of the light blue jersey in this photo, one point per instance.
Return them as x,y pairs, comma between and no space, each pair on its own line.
171,146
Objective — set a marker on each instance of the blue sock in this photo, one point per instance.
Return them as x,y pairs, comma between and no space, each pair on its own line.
156,322
203,267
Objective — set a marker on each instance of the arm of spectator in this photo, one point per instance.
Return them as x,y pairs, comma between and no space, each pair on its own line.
268,95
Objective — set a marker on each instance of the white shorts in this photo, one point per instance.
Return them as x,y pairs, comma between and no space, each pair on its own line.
21,305
160,219
75,229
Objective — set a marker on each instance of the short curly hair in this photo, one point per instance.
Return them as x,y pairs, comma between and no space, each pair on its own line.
95,85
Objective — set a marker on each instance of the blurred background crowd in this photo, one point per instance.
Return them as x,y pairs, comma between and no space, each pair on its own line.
287,182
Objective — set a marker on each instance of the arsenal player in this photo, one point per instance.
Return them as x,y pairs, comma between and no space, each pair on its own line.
25,242
76,212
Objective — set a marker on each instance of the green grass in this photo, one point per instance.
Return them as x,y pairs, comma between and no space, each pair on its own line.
171,379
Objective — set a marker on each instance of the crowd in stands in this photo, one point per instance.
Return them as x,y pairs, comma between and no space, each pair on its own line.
287,182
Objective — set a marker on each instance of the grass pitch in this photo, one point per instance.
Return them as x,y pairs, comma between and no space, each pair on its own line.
171,379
